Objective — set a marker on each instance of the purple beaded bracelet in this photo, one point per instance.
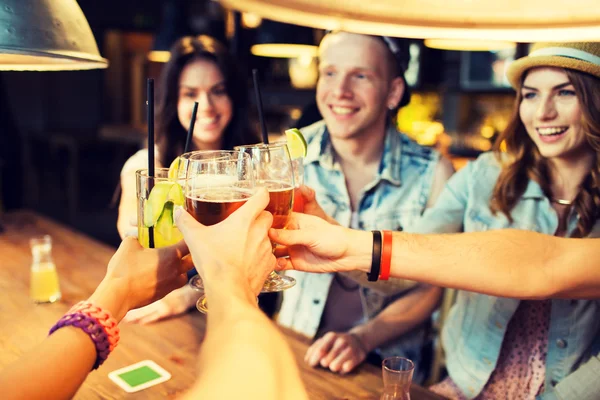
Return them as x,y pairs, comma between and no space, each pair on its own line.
92,328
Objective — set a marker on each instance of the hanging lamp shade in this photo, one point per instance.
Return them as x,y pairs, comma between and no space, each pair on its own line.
46,35
276,39
509,20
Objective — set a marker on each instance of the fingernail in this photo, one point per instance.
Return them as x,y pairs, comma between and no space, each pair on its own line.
281,262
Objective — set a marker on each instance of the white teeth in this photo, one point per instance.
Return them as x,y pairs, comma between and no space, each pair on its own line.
342,110
207,121
551,131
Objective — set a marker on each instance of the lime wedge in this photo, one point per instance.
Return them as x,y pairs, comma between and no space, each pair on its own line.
174,171
161,194
164,226
296,143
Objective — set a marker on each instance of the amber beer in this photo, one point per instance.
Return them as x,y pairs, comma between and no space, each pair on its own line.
210,206
281,198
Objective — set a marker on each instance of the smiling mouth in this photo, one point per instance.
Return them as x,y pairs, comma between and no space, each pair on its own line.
207,120
340,110
554,131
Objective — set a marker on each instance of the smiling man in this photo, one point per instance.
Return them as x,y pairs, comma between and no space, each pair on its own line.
369,176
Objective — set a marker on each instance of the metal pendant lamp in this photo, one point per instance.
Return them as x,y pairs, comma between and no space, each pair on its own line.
508,20
46,35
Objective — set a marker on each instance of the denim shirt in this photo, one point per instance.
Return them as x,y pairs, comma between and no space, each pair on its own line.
394,200
473,333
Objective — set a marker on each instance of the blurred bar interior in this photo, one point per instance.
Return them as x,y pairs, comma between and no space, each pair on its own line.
65,135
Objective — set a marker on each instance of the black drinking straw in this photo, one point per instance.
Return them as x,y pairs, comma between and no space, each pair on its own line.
259,106
150,105
191,129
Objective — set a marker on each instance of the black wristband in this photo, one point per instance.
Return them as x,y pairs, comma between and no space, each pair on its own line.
373,275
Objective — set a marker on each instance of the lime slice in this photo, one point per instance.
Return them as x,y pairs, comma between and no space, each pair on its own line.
164,226
296,143
174,169
161,193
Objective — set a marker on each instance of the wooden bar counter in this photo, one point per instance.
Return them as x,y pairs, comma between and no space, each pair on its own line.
173,344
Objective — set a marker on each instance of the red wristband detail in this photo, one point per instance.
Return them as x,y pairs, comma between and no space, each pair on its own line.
386,256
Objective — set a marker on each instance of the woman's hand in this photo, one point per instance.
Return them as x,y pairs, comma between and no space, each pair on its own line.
137,276
175,303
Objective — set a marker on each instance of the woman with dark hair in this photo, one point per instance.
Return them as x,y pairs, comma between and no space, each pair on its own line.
201,70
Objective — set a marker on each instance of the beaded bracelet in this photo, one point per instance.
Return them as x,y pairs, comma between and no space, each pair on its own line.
100,326
104,318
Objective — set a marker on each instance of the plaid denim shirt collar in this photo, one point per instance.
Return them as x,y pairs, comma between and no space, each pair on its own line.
320,150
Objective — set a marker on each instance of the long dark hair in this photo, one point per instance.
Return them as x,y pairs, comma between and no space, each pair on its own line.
170,135
525,161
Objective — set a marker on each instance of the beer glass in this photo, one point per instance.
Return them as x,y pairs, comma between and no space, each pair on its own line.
217,183
298,166
273,169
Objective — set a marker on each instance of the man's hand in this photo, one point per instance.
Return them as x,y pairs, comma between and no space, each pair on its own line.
236,249
340,352
315,245
312,207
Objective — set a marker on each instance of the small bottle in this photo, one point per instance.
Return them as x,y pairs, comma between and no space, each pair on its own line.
44,286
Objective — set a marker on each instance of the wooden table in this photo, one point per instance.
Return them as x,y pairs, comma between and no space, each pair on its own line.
173,344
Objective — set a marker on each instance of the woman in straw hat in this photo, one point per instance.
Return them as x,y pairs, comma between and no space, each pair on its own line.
547,180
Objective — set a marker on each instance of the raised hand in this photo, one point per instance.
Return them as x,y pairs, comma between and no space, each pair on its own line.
314,245
236,248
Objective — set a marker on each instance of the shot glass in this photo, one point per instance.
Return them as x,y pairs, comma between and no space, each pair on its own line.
397,377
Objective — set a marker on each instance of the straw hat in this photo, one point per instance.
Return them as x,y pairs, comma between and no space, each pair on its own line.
582,56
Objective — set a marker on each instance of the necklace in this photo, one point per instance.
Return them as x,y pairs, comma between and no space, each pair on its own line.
562,201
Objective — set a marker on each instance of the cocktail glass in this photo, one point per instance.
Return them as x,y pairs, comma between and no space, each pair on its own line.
157,196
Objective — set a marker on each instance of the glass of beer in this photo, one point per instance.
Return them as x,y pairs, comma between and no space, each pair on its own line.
273,169
217,183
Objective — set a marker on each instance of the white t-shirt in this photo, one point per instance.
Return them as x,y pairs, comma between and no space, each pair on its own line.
139,161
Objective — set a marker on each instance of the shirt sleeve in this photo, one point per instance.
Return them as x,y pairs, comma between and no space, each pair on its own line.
448,212
137,161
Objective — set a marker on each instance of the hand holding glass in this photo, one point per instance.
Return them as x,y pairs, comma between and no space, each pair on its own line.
217,183
272,169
